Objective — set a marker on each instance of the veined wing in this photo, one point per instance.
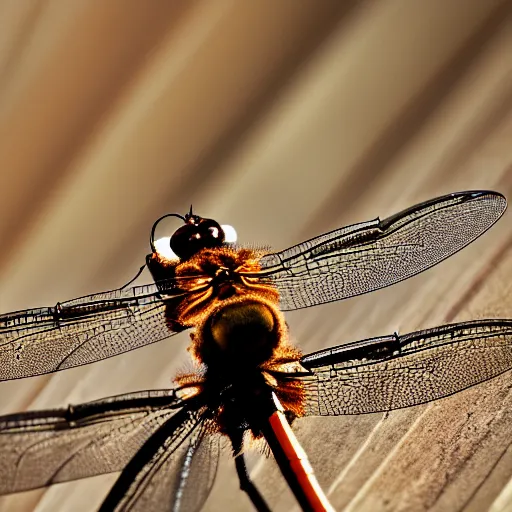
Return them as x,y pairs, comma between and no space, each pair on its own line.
85,330
173,472
198,471
364,257
392,372
40,448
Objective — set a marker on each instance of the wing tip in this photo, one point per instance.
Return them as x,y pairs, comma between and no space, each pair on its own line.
476,194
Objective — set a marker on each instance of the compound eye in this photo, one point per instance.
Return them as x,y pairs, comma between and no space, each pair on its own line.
213,232
196,235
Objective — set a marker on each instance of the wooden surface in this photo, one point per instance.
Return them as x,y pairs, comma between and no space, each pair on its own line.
285,119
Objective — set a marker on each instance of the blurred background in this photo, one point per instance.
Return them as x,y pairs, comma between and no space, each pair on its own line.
285,119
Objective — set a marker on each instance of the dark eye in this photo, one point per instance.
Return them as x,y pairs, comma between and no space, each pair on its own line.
196,234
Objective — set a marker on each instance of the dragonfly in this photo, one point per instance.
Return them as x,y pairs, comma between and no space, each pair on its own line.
249,383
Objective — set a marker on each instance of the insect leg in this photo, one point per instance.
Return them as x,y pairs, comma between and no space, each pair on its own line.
246,484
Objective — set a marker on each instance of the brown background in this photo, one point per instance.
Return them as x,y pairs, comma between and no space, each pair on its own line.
286,119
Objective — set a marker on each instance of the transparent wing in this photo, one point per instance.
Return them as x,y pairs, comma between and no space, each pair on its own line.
392,372
198,473
166,474
364,257
40,448
84,330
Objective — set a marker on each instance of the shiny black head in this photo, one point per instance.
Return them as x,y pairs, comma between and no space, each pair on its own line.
197,233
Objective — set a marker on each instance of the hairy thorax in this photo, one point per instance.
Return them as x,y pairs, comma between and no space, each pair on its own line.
240,338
